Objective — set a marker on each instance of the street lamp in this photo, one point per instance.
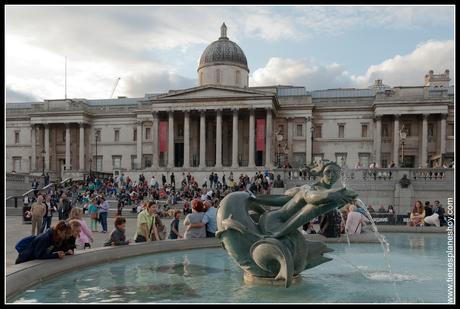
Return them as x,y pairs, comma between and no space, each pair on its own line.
90,164
279,138
43,166
312,131
402,136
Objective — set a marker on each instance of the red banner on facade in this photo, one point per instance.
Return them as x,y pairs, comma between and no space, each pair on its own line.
260,134
163,136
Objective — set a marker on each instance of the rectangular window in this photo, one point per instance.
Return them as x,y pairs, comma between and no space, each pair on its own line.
147,161
341,158
63,136
16,137
17,164
134,135
133,162
318,133
117,135
299,130
341,130
147,133
363,160
364,130
385,130
116,162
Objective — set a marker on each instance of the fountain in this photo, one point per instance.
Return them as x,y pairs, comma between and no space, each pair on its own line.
197,271
267,244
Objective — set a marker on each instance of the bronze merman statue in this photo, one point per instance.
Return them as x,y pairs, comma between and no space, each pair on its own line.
268,244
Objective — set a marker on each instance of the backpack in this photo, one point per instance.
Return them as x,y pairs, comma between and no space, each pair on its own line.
24,243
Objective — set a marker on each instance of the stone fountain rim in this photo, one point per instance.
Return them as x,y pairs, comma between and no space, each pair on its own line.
19,278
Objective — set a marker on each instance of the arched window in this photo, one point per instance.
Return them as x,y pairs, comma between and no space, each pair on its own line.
237,77
217,76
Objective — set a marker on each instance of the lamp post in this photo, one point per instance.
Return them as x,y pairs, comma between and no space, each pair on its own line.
402,136
279,138
312,131
43,166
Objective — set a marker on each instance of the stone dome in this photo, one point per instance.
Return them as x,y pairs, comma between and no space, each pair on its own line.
223,51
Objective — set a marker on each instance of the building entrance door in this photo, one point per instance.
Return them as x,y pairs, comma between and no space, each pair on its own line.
61,168
178,154
409,161
259,158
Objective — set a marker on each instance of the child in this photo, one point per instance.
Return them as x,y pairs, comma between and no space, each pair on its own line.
174,234
117,237
92,211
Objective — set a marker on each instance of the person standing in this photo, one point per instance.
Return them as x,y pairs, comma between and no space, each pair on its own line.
173,180
92,211
50,209
35,186
145,224
103,213
209,220
47,179
174,233
163,180
64,207
37,210
196,217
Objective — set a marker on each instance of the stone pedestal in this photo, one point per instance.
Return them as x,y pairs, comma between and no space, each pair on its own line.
403,199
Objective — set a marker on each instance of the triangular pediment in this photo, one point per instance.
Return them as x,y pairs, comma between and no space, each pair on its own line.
211,92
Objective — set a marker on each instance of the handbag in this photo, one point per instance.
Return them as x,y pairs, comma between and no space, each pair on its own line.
94,216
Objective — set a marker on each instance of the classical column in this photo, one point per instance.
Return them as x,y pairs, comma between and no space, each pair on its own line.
424,156
443,135
251,138
171,140
203,139
67,147
139,145
155,157
186,139
82,147
290,133
235,139
47,147
308,143
268,139
219,138
378,140
396,141
33,156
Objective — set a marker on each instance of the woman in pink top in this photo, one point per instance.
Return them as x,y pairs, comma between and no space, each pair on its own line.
85,237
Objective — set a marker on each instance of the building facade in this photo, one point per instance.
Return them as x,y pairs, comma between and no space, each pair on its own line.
225,125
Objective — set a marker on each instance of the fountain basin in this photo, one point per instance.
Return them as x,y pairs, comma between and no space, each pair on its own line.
357,274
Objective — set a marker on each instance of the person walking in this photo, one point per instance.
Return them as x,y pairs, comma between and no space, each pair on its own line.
64,207
37,210
173,180
103,213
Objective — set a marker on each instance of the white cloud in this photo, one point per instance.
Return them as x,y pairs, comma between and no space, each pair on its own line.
406,70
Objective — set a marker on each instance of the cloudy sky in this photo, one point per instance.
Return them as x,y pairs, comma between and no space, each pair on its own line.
157,48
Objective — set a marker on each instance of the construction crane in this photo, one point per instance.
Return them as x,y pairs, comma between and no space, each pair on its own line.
115,86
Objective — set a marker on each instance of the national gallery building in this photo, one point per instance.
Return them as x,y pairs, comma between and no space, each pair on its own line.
223,124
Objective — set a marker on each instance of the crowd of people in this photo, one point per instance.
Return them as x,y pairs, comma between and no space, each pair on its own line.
153,200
